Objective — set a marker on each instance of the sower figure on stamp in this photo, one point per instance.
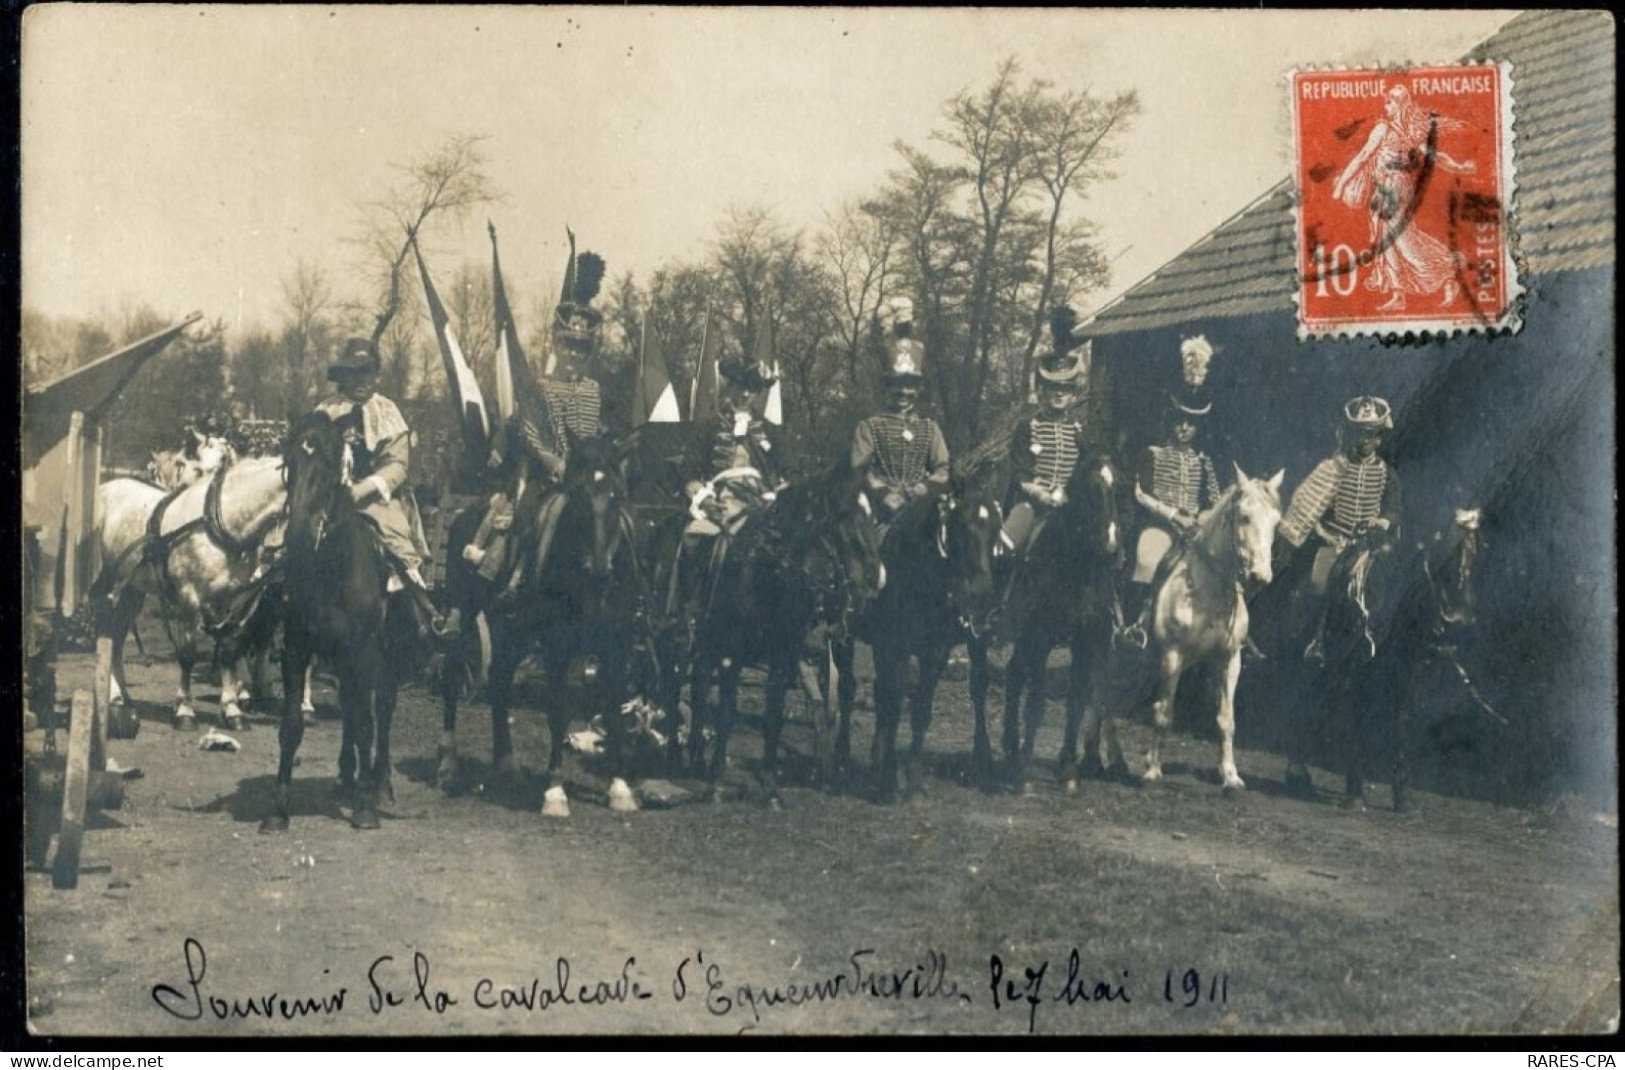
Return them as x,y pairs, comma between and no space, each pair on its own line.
1176,483
901,453
1350,496
535,444
1045,449
377,447
745,466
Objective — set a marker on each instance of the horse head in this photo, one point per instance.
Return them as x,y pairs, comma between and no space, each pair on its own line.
970,536
1091,505
1240,528
833,510
314,466
595,488
1452,567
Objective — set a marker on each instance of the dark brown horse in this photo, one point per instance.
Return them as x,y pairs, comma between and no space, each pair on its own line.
1063,594
583,616
337,608
1396,621
940,591
793,580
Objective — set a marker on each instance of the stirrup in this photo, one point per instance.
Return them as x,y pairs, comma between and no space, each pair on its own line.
1314,652
1133,635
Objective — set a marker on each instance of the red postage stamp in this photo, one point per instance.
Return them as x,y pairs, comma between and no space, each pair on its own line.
1405,180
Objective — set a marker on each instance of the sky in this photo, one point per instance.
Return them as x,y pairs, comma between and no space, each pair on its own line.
188,157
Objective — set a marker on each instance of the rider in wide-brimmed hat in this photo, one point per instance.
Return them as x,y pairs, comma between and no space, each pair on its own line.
379,445
1349,497
1175,484
900,452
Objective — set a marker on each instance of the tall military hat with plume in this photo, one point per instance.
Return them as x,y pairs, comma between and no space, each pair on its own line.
1068,359
577,326
905,354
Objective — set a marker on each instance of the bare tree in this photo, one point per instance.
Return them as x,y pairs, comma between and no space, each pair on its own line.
307,298
450,180
857,246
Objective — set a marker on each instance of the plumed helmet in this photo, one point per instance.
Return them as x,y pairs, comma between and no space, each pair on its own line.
1195,354
905,356
1366,413
1067,362
577,326
358,356
746,374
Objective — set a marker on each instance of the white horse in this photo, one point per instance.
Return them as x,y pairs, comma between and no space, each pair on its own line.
1201,609
199,548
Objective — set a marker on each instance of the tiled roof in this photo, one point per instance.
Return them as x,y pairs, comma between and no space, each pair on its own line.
1563,117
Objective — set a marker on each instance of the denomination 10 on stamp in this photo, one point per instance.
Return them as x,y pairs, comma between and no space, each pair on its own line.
1405,180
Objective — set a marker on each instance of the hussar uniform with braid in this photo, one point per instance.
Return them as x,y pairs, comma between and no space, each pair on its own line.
901,453
1045,449
1350,497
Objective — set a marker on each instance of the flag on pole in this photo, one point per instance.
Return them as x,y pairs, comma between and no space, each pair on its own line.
465,389
702,399
508,349
771,403
524,392
656,397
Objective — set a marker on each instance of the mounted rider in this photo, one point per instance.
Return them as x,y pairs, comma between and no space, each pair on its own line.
377,450
744,455
1175,485
1352,496
208,446
1045,449
533,448
901,453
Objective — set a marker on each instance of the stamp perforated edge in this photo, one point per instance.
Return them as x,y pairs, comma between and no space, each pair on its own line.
1513,265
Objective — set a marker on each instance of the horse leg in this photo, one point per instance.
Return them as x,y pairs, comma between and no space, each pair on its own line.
388,685
1078,678
356,699
555,799
1227,724
699,700
891,671
1036,700
448,771
289,733
932,663
982,749
1171,665
1015,673
778,686
846,691
231,694
186,658
727,708
119,622
504,663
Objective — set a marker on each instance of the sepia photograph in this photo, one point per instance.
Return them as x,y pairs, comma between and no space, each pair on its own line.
815,521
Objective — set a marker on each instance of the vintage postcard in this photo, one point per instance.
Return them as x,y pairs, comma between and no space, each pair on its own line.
566,520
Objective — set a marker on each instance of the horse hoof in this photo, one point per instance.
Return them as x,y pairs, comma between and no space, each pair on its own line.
1027,789
1234,788
555,803
1071,787
308,715
364,817
1353,803
1151,778
274,824
185,722
621,799
237,723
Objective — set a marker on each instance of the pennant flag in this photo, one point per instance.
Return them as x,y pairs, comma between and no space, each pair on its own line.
510,354
770,406
656,397
702,399
465,389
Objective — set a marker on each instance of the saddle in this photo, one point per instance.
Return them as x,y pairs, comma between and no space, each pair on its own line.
154,546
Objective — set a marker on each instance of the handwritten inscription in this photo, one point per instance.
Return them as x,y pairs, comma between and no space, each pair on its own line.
393,985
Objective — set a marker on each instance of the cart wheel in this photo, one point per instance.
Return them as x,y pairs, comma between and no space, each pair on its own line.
75,792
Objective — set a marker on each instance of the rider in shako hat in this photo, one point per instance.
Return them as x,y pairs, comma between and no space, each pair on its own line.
1352,495
1175,484
901,453
746,463
1046,448
378,449
535,446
